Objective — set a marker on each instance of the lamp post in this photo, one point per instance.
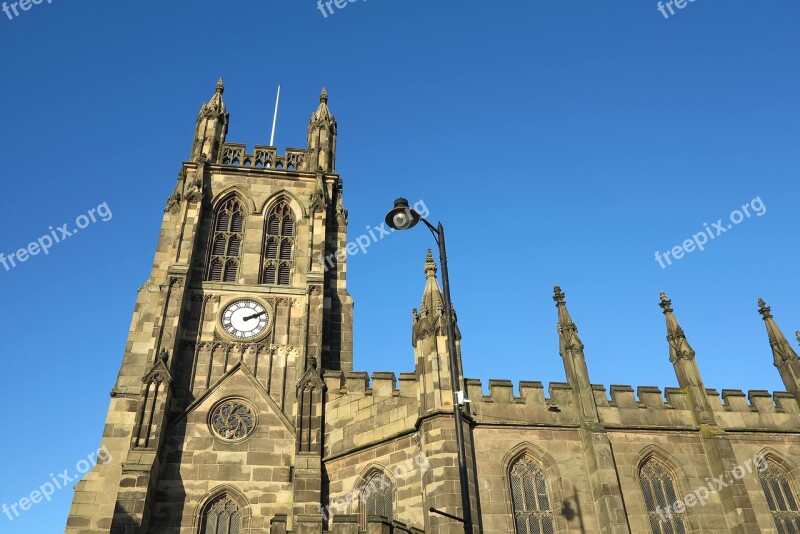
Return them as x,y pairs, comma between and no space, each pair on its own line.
403,217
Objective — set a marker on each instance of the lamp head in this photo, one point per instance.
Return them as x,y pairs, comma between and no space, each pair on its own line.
402,216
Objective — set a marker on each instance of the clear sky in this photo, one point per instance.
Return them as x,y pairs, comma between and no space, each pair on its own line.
559,142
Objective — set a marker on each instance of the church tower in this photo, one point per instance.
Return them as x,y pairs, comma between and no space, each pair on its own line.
215,420
237,409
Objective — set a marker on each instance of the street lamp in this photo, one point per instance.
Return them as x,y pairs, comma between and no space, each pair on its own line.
403,217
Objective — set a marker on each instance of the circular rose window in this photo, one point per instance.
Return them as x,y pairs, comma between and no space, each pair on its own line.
232,420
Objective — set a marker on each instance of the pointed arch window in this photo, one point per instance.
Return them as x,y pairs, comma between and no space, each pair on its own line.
221,516
227,235
533,511
278,256
781,497
658,487
377,498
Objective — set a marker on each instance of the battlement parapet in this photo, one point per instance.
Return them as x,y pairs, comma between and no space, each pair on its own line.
502,392
381,384
619,406
265,157
756,400
363,409
644,406
502,406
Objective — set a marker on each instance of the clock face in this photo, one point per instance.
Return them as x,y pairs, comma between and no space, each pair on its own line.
245,319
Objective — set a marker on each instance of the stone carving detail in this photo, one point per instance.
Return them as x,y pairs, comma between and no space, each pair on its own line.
147,286
288,301
194,190
781,348
566,328
157,378
174,200
341,212
319,198
679,346
764,310
232,420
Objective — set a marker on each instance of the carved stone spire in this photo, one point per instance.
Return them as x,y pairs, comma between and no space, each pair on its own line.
567,331
782,351
322,131
430,265
430,319
570,347
215,106
679,347
682,356
432,300
212,127
431,350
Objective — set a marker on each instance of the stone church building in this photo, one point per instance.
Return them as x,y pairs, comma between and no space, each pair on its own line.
237,409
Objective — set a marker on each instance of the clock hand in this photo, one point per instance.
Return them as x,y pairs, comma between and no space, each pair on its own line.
254,316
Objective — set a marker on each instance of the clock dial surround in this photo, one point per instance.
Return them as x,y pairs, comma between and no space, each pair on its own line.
245,319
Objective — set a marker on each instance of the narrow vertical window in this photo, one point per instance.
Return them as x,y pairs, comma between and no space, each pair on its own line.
278,256
781,498
220,516
532,510
377,498
227,235
658,488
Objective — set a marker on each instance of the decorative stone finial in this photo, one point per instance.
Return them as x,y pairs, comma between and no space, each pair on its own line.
323,96
764,310
797,335
220,86
430,265
665,303
558,295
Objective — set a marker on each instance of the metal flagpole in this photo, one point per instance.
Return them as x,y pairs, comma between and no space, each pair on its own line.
275,118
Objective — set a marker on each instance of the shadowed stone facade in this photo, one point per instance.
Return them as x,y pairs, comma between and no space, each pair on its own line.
237,409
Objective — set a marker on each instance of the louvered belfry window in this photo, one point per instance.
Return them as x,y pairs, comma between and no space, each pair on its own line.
226,242
533,512
658,488
279,246
781,498
376,498
221,516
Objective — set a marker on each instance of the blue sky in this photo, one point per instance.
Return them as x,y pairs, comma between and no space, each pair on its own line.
559,142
